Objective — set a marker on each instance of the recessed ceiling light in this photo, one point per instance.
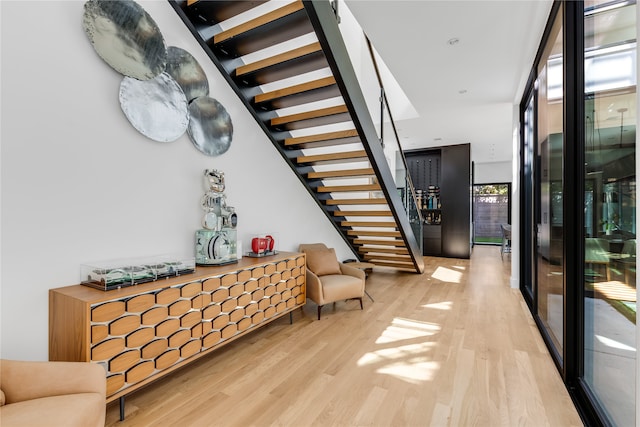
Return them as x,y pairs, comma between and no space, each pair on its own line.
453,41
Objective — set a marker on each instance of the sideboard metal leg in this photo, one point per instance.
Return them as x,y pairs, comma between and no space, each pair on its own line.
121,408
291,317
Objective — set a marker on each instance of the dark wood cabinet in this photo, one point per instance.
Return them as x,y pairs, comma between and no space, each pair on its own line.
442,179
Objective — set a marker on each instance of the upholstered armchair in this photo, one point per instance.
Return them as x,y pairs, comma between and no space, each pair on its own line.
328,280
52,394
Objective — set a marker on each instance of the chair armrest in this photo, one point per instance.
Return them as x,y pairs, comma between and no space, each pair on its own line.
352,271
26,380
314,288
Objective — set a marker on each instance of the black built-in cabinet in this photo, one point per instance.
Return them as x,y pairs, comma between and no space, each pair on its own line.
442,179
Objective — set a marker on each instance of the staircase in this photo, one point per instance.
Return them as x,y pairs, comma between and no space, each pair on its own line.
289,65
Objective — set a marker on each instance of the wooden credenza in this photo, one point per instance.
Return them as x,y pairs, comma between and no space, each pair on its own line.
143,332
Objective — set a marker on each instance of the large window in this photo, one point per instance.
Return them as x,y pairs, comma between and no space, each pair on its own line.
609,235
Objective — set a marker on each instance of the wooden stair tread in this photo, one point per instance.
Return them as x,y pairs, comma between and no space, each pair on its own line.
407,265
386,224
362,213
340,173
323,112
279,59
373,233
292,90
397,243
396,250
259,21
400,258
347,155
329,136
374,201
340,188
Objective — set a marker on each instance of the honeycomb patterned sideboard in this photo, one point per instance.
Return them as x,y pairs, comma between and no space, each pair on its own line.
143,332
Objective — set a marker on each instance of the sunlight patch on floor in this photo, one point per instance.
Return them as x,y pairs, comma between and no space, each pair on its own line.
409,362
406,329
447,275
444,305
414,372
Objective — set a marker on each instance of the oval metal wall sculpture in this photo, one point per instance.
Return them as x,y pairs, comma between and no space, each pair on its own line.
210,127
157,108
187,72
125,37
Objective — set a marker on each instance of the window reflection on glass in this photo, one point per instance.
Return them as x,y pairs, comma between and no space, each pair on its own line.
610,208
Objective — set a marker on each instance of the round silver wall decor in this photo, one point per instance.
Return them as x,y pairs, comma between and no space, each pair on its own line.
186,70
210,127
125,37
157,108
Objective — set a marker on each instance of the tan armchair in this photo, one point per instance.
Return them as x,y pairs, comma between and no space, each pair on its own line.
328,280
52,394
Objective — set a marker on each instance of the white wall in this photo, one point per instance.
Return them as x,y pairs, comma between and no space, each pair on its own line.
80,184
492,172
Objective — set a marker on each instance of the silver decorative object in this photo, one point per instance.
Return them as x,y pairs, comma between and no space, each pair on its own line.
125,37
210,127
216,243
157,108
186,70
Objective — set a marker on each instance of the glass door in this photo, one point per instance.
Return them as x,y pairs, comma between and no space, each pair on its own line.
526,206
491,211
609,235
548,188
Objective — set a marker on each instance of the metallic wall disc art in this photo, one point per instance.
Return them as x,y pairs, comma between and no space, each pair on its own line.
210,127
126,37
157,108
185,70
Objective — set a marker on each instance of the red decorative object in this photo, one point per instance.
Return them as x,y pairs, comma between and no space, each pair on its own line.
260,245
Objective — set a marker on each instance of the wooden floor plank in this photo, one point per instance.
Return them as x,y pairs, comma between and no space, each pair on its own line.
454,346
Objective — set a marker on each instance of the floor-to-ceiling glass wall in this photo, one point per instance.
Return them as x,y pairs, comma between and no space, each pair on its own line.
609,354
548,186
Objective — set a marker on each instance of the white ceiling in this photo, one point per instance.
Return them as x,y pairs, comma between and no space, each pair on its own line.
497,44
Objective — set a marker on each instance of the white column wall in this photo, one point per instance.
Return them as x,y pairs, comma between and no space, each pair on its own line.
515,201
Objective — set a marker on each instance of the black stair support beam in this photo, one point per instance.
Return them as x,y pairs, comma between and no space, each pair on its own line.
325,23
179,7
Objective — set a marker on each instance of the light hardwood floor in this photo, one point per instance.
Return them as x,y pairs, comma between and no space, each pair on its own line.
454,346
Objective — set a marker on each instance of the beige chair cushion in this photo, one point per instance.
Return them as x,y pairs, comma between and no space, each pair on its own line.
338,287
68,410
323,261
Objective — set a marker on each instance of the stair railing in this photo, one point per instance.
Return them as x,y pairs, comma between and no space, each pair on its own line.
403,206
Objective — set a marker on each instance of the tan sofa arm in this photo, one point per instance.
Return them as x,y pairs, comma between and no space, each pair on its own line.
24,380
314,288
352,271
